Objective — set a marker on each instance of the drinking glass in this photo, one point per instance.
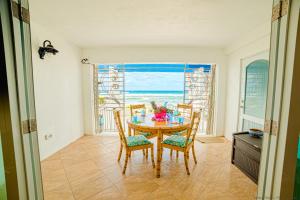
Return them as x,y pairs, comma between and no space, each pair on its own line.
176,112
180,120
143,113
134,119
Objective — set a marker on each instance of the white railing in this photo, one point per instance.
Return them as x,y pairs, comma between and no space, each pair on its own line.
198,91
110,90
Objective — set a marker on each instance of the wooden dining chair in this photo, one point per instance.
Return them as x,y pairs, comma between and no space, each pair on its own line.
185,110
131,143
184,143
136,108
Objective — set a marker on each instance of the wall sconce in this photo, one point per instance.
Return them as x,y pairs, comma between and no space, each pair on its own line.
47,48
85,61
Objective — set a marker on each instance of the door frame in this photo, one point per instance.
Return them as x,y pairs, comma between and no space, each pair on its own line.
279,154
10,149
24,144
291,99
12,139
289,127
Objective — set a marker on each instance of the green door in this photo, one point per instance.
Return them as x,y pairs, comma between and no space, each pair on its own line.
3,195
297,173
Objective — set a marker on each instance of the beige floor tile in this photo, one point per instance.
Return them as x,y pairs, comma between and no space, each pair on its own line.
81,170
111,193
88,169
54,175
61,193
49,186
91,187
131,188
52,164
58,196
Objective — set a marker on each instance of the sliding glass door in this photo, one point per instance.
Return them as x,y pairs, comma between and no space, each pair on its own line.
282,127
276,68
23,144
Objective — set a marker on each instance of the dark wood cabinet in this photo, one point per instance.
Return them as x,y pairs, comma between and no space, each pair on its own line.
246,151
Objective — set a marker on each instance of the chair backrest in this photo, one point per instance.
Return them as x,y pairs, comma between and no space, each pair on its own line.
120,127
136,107
185,109
194,126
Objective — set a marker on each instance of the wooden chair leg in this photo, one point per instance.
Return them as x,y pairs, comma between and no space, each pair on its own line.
177,154
126,161
186,162
161,153
188,154
171,152
146,153
194,154
120,153
152,157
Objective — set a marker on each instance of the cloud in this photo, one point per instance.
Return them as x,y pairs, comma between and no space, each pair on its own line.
154,81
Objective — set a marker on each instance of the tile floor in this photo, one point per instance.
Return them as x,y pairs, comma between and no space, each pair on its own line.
88,169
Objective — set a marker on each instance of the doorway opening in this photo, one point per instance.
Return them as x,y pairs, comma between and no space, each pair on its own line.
120,85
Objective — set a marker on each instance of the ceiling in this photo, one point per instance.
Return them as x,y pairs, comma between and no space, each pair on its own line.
92,23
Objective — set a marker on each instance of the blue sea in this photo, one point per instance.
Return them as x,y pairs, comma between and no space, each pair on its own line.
173,97
154,92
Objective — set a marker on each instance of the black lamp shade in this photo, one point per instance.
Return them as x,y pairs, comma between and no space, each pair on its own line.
46,48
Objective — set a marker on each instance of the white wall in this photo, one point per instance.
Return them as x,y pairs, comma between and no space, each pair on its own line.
58,91
123,54
256,41
88,99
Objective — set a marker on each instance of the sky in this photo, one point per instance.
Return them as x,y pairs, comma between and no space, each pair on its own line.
154,81
158,77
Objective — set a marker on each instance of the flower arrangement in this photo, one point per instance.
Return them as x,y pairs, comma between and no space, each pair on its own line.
161,113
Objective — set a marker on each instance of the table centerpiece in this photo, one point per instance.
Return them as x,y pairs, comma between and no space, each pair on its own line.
161,113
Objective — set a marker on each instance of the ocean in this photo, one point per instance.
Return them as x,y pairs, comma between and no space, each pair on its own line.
159,96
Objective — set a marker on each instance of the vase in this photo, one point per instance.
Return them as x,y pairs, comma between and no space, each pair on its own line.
160,116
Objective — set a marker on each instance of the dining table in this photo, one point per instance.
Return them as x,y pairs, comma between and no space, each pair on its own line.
158,129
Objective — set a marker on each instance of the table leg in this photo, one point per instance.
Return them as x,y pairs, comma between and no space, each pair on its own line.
158,157
129,131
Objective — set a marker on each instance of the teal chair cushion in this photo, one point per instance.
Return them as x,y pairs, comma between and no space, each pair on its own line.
144,134
137,140
180,133
176,140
